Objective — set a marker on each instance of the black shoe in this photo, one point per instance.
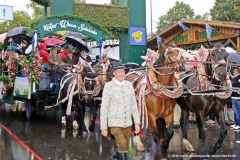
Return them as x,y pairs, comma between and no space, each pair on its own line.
122,156
114,156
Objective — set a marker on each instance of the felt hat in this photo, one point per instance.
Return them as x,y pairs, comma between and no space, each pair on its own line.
119,65
54,47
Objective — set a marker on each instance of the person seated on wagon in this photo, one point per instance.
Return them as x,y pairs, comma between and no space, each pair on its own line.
64,53
54,62
69,60
41,47
84,56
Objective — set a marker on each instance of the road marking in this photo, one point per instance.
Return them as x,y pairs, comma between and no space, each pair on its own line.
21,142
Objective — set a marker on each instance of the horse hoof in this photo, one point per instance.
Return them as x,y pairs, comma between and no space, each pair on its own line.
211,150
76,127
140,148
85,132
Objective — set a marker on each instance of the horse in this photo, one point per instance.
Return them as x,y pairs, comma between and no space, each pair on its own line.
208,74
156,91
76,88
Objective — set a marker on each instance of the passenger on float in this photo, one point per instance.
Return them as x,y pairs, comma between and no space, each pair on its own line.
84,56
41,47
54,62
64,53
69,60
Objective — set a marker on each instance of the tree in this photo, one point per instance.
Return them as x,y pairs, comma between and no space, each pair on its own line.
38,10
82,1
205,16
226,10
20,18
114,2
174,14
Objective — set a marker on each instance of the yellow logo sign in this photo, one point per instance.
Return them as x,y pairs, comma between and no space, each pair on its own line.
137,36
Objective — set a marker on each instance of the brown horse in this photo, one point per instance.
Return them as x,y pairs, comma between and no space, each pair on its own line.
157,89
203,105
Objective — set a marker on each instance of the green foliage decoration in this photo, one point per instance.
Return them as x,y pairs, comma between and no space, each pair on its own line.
4,78
113,18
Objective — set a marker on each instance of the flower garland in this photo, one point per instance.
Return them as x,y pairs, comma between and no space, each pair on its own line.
31,68
36,68
12,73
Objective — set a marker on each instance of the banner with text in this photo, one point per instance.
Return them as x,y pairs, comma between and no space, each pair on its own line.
56,24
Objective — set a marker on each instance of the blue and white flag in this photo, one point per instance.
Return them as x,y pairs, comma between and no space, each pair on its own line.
209,31
101,47
159,40
182,25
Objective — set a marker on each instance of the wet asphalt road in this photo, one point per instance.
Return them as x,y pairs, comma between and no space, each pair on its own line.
44,138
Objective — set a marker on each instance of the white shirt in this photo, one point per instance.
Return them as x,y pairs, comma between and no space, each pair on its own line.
119,83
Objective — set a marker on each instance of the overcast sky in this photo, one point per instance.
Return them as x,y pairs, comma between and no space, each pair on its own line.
159,7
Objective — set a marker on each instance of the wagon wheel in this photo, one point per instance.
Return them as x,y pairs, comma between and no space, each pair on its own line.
29,110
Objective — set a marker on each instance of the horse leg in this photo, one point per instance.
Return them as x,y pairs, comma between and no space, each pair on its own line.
64,120
169,135
137,141
83,109
183,123
94,109
201,132
223,132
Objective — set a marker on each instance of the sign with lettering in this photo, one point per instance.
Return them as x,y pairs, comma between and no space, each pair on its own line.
56,24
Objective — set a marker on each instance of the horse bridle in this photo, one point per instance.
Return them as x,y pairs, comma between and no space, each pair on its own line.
214,66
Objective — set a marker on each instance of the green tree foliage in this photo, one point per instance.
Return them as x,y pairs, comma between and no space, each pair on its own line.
174,14
114,2
21,18
38,10
205,16
45,3
76,1
226,10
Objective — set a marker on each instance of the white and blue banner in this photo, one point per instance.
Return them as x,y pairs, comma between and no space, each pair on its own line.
159,40
209,30
182,25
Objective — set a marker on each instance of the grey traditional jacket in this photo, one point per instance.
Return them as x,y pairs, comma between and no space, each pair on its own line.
118,105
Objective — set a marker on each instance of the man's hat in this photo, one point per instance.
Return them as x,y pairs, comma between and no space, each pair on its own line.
25,40
54,47
119,65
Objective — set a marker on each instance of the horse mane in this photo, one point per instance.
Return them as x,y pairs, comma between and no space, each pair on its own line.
160,59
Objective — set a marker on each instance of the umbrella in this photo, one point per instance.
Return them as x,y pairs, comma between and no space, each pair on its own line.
16,32
76,34
233,57
53,40
23,37
77,42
